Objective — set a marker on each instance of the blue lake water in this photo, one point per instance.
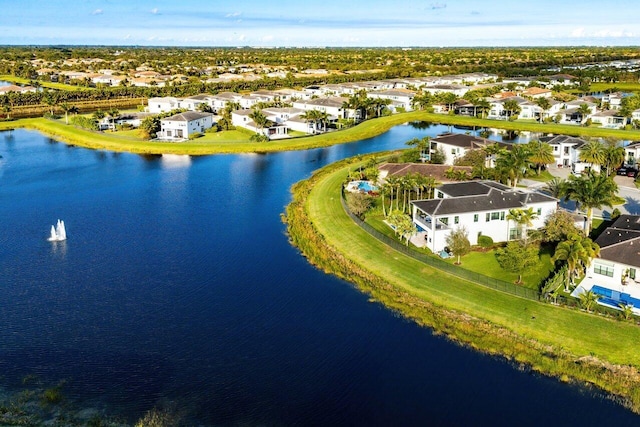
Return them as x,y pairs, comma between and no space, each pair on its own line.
178,287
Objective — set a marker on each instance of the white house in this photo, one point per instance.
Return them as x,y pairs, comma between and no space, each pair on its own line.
481,207
609,119
180,126
456,145
400,98
458,90
614,274
613,100
163,104
566,149
632,153
331,105
193,103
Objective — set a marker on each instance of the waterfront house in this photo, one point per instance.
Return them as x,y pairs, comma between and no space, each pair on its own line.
566,149
163,104
180,126
609,119
481,207
400,98
456,145
458,90
614,273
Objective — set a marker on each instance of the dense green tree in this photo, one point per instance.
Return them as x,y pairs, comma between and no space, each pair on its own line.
523,218
559,226
458,242
592,152
516,257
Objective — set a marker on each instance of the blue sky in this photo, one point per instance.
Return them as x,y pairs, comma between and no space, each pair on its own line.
321,23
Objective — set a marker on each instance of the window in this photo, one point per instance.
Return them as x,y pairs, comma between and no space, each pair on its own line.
514,234
632,273
487,217
445,220
502,216
605,270
495,216
475,217
539,211
456,219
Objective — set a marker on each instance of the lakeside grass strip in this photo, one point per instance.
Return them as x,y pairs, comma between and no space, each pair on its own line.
556,341
221,144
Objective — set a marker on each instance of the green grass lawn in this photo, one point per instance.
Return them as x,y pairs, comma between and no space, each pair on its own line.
572,330
486,263
625,87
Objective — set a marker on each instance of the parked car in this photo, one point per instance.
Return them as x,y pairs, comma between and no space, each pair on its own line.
625,171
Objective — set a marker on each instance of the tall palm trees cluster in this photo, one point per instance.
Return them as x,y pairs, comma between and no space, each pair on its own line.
365,106
400,190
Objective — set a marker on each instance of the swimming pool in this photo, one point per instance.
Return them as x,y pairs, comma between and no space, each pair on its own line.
615,298
362,186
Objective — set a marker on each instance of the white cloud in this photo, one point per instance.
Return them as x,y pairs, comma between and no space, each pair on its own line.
578,32
97,12
601,33
127,37
233,15
242,37
154,11
267,38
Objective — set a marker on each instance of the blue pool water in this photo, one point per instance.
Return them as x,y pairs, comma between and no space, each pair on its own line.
366,186
614,298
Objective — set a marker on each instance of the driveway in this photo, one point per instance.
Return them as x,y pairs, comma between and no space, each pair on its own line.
626,189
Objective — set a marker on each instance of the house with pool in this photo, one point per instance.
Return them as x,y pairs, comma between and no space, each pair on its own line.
614,275
481,207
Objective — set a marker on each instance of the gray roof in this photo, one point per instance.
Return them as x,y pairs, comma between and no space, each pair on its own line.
188,116
485,196
563,139
465,141
621,241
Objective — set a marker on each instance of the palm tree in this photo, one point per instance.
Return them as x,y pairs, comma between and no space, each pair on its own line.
591,191
614,155
588,299
66,108
259,119
584,111
50,101
394,184
422,101
6,109
592,152
577,251
555,187
523,219
513,163
483,105
512,108
540,153
544,105
626,311
113,113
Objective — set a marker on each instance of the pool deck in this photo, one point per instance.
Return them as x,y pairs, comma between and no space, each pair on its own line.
632,288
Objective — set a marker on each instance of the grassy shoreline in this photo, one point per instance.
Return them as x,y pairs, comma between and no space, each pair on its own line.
214,144
563,343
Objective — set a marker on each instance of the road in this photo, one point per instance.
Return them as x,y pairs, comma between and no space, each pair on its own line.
626,190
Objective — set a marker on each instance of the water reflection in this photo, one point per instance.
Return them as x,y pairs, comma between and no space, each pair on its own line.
59,249
170,161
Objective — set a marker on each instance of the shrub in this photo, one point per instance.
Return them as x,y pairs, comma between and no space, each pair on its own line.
485,241
195,135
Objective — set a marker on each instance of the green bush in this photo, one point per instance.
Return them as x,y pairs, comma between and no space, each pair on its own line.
195,135
485,241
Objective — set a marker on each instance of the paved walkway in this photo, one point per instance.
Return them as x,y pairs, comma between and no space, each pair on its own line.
626,190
